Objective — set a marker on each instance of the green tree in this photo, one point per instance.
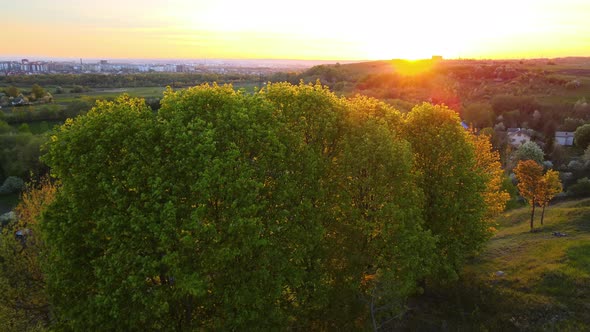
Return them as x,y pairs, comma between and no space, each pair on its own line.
571,124
20,154
529,151
529,175
24,128
37,91
77,89
582,136
452,183
12,91
382,238
479,115
348,166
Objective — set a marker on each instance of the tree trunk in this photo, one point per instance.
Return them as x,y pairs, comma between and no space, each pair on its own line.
543,214
532,214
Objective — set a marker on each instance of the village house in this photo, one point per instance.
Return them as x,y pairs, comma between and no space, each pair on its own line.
517,136
565,138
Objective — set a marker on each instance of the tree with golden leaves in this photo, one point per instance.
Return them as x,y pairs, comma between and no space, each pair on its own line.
529,174
24,304
550,186
488,162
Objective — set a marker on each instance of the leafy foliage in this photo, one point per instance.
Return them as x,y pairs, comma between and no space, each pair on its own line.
37,91
24,303
288,208
12,91
580,188
488,163
452,184
529,174
549,187
582,136
529,151
11,185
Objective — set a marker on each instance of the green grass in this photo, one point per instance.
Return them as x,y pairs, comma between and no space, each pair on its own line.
545,285
554,270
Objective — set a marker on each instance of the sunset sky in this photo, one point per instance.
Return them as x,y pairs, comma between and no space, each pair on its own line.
302,29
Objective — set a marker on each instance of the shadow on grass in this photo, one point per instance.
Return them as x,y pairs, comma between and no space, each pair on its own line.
579,258
473,304
577,222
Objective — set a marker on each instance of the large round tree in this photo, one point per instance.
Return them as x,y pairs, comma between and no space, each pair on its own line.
453,185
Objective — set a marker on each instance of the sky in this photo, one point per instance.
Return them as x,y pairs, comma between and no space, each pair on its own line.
296,29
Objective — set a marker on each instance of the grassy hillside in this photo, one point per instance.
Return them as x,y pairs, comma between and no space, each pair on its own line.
522,280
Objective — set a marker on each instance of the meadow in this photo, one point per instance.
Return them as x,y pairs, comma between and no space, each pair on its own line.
522,280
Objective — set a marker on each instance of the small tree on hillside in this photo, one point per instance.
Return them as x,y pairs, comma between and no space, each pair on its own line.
549,186
529,175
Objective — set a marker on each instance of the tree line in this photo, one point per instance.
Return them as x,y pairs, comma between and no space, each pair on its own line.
287,208
126,80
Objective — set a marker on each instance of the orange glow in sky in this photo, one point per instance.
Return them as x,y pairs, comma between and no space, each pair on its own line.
302,29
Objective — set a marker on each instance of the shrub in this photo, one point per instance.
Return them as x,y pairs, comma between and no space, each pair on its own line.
581,188
11,185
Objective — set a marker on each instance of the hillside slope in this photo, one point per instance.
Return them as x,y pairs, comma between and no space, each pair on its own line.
522,281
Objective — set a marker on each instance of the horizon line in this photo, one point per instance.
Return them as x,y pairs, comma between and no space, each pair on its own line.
325,61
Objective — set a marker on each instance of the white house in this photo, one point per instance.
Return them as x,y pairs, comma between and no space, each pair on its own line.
565,138
517,136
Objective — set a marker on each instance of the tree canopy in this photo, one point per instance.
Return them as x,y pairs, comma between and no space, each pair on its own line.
529,151
453,184
549,187
582,136
37,91
287,208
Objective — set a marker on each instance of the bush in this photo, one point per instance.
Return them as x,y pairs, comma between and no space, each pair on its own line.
12,185
575,165
78,89
580,189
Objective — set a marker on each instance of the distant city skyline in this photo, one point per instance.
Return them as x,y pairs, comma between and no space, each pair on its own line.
302,30
219,66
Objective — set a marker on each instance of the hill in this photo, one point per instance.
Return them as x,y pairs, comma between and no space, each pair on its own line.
522,280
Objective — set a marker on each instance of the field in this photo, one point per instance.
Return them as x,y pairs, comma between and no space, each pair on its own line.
63,99
522,280
145,92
